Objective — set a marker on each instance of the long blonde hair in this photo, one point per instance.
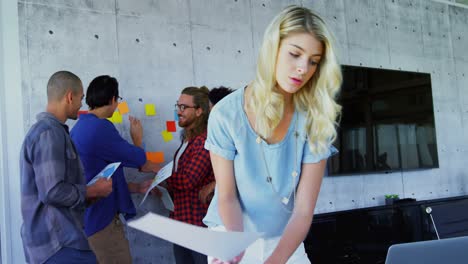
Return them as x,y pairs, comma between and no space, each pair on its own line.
316,98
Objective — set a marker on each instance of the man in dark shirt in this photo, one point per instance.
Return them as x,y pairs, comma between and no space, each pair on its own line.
192,167
53,185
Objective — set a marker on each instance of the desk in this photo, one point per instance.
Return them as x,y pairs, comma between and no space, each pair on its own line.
363,236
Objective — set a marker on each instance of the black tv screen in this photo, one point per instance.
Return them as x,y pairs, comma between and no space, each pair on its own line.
387,122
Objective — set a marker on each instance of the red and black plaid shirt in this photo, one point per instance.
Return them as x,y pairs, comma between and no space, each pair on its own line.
193,172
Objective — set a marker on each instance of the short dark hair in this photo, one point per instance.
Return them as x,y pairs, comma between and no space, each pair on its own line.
60,82
101,90
218,93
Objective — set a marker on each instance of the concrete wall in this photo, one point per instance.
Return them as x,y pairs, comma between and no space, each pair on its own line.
156,48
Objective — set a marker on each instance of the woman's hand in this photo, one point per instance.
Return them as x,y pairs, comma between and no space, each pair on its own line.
235,260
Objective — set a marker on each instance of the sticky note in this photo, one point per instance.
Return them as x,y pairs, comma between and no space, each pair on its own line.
171,126
82,112
157,157
176,116
123,108
167,136
116,118
150,109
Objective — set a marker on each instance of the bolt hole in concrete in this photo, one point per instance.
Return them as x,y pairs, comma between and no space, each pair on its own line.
137,40
96,36
173,44
208,48
51,32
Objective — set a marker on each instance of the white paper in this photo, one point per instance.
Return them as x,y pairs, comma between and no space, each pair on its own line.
107,172
218,244
166,198
164,173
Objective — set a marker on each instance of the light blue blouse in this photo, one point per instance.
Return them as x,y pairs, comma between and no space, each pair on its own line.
231,137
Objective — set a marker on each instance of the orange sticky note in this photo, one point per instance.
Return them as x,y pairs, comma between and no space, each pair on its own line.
157,157
123,108
171,126
167,136
150,109
116,118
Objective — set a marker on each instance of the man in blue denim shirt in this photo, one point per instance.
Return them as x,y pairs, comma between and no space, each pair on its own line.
53,186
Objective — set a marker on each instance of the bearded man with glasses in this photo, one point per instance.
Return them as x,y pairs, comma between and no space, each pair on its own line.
192,166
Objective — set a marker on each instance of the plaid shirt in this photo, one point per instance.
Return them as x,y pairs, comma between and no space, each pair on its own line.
53,190
193,172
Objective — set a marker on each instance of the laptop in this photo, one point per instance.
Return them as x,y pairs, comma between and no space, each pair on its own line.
443,251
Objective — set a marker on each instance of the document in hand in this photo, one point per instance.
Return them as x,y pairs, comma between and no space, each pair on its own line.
164,173
218,244
166,198
107,172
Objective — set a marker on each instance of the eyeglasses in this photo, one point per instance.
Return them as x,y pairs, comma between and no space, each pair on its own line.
182,107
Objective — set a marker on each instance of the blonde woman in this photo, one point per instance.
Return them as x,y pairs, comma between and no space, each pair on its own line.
269,141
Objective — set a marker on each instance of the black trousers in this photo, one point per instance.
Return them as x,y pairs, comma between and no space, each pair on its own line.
187,256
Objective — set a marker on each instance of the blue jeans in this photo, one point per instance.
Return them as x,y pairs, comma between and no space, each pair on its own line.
72,256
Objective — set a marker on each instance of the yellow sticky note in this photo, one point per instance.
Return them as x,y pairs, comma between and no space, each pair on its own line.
116,118
123,108
150,109
167,136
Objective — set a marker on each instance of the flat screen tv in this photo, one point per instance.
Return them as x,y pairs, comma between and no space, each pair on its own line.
387,122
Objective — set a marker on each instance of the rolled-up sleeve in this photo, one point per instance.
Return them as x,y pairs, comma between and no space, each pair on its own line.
50,165
309,157
219,140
